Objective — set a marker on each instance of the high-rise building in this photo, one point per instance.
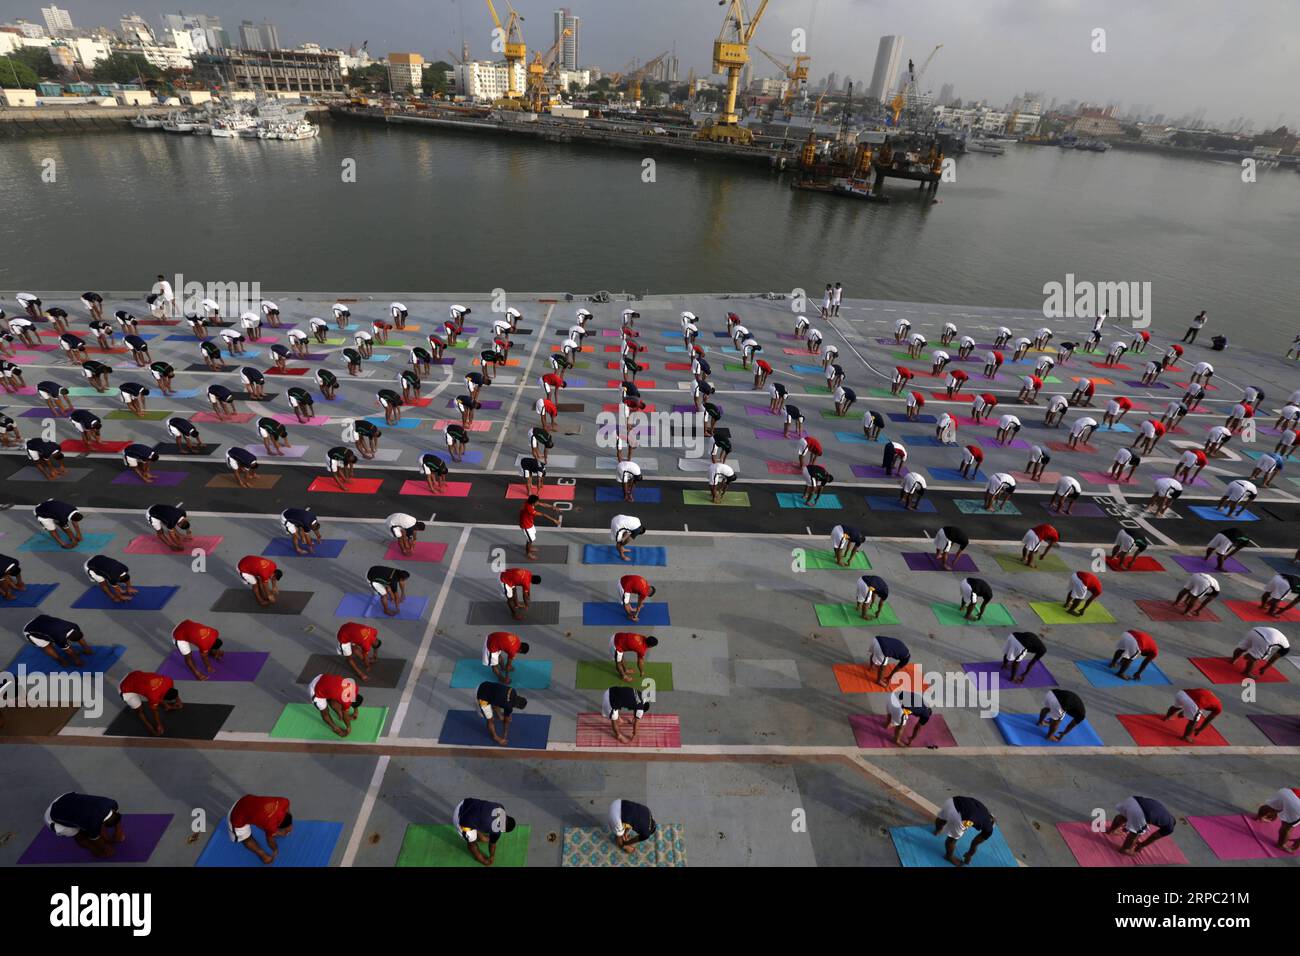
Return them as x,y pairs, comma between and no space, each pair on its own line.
258,36
405,72
833,82
196,24
889,60
135,29
945,94
57,22
568,54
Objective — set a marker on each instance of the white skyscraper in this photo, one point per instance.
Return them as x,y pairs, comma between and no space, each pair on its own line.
57,22
567,59
889,60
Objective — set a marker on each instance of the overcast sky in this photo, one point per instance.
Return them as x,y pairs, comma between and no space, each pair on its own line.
1233,57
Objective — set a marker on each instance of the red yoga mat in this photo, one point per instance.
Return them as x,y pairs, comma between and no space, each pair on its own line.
358,486
1140,563
655,730
1250,611
1166,612
1223,670
1150,730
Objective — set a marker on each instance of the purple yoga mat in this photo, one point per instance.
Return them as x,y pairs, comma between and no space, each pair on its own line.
162,479
759,410
241,666
772,434
1081,509
1039,676
1196,563
870,733
143,831
925,561
1018,443
874,471
684,409
1239,836
1282,729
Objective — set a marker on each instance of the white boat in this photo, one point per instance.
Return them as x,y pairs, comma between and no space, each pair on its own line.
300,130
202,129
985,146
177,123
146,122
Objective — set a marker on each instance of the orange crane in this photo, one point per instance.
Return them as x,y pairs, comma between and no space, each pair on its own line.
634,86
543,63
796,75
515,50
730,55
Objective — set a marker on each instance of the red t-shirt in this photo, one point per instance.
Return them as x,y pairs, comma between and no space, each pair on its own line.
152,687
902,372
997,358
627,642
192,632
518,578
959,375
635,584
1089,581
527,516
261,568
989,399
1160,429
1146,644
1089,388
503,642
975,452
1250,409
358,634
1124,403
919,399
814,445
1038,382
553,380
1206,700
764,365
335,687
1046,532
549,407
265,813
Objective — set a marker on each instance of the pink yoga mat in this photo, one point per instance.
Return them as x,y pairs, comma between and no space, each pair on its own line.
1239,836
870,733
293,420
149,544
455,489
239,418
656,730
431,551
1101,849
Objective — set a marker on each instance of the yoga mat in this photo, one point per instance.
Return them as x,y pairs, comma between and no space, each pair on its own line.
283,548
1223,670
1102,849
368,605
386,672
1099,674
36,721
995,615
594,846
241,601
951,474
926,561
101,658
783,468
882,503
518,492
311,844
525,675
191,722
817,559
871,733
469,458
259,482
1020,730
304,722
125,415
1143,563
846,615
290,452
31,473
31,596
1012,564
430,552
1081,509
1165,612
861,679
1039,675
162,479
1249,611
43,544
496,614
611,614
661,731
150,544
602,675
441,846
1282,729
853,438
235,666
1239,836
919,419
608,554
1051,612
467,728
733,499
772,434
922,847
454,489
975,506
1018,443
146,599
1150,730
357,486
144,831
640,494
79,447
876,471
792,499
1207,513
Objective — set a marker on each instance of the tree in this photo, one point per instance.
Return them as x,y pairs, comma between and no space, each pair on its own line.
125,68
37,59
434,77
17,75
371,78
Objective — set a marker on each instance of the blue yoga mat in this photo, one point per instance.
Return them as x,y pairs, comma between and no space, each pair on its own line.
882,503
283,548
43,544
951,474
808,369
1099,675
466,728
470,457
611,614
857,438
311,843
367,605
378,420
379,357
37,661
1117,427
526,675
31,596
1213,514
643,496
792,499
1019,731
918,420
608,554
920,846
148,599
928,441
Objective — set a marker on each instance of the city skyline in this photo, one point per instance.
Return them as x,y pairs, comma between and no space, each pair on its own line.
988,54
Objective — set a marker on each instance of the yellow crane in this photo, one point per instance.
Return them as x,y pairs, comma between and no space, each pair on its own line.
634,86
909,86
515,51
796,75
543,63
730,54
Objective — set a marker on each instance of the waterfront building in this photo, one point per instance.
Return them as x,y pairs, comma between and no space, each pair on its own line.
486,79
280,71
405,72
134,29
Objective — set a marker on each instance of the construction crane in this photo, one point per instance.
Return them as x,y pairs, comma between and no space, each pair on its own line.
515,50
634,84
730,54
908,91
543,63
796,75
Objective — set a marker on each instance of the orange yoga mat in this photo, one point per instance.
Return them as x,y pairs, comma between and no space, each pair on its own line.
860,679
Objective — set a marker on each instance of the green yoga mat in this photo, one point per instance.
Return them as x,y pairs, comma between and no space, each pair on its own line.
975,506
594,846
819,560
122,415
304,722
830,413
846,615
995,615
880,393
1013,564
601,675
734,499
817,390
426,845
1051,612
734,367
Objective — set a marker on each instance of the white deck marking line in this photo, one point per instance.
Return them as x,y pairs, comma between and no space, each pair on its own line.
363,813
896,786
1117,491
525,374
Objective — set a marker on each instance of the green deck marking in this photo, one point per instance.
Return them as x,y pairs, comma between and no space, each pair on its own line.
1013,564
1051,612
304,722
734,499
824,560
995,615
428,845
601,675
846,615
